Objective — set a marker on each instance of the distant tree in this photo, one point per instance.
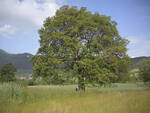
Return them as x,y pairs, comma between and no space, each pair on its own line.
144,70
88,44
7,72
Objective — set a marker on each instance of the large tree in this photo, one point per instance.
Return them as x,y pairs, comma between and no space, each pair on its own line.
88,44
7,72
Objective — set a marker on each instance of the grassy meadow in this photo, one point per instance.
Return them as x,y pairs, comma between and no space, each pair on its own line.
120,98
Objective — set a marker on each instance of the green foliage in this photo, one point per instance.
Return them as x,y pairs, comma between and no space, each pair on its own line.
7,72
137,62
144,71
85,43
134,75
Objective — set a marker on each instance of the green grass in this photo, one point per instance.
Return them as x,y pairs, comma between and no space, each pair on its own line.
121,98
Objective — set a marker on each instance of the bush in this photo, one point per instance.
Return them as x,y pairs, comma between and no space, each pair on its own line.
144,71
7,73
31,83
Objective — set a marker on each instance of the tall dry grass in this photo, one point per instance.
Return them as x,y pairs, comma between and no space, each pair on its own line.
58,99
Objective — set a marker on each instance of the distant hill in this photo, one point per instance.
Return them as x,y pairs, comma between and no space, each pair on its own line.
20,61
137,61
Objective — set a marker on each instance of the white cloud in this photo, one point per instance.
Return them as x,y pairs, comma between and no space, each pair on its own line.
7,30
27,13
138,46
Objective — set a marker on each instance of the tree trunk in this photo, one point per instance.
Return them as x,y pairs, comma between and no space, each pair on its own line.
81,84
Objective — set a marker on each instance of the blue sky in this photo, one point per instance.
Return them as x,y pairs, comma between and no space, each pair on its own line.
20,22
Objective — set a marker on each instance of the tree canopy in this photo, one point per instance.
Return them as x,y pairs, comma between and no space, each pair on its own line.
7,72
88,44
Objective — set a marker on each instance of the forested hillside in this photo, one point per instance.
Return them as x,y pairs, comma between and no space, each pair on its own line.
137,61
20,61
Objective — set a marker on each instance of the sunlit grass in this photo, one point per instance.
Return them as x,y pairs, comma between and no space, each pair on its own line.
64,99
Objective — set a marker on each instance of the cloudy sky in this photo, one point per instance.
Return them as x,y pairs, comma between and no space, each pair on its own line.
20,20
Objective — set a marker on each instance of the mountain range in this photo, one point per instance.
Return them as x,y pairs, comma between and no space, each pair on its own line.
20,61
23,64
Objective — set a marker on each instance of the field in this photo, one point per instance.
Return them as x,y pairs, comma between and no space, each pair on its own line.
121,98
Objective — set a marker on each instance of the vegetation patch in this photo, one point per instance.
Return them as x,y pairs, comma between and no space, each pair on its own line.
124,98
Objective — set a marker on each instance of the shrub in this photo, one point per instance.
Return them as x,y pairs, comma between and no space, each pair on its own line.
144,71
7,72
